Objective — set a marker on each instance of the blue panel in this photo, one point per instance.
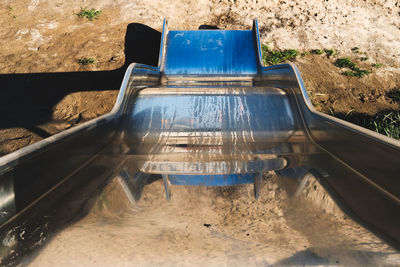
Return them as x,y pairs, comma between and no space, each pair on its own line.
212,180
211,52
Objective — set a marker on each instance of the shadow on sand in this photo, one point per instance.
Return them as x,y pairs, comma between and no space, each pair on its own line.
27,100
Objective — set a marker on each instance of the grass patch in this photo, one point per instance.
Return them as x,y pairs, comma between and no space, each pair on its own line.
273,57
376,65
388,123
90,14
86,61
345,63
359,73
317,51
329,52
354,70
364,58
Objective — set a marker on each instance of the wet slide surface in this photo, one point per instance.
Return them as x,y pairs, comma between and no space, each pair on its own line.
216,226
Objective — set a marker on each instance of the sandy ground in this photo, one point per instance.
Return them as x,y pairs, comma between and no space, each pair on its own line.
216,227
42,36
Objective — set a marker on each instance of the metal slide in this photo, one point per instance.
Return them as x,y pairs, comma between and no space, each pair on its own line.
209,114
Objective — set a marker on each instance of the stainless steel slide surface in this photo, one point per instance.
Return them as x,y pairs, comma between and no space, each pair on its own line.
210,114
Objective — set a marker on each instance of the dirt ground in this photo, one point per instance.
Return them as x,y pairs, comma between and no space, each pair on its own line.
44,90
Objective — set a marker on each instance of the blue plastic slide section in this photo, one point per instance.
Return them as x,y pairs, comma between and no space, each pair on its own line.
211,52
211,180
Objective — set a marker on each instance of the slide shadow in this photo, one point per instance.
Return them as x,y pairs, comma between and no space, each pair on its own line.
27,100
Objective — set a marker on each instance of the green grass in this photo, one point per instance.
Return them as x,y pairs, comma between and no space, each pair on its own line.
317,51
90,14
329,52
273,57
364,58
376,65
359,73
354,70
345,63
86,61
387,123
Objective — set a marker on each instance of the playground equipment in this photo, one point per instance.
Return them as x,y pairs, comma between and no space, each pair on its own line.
210,114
